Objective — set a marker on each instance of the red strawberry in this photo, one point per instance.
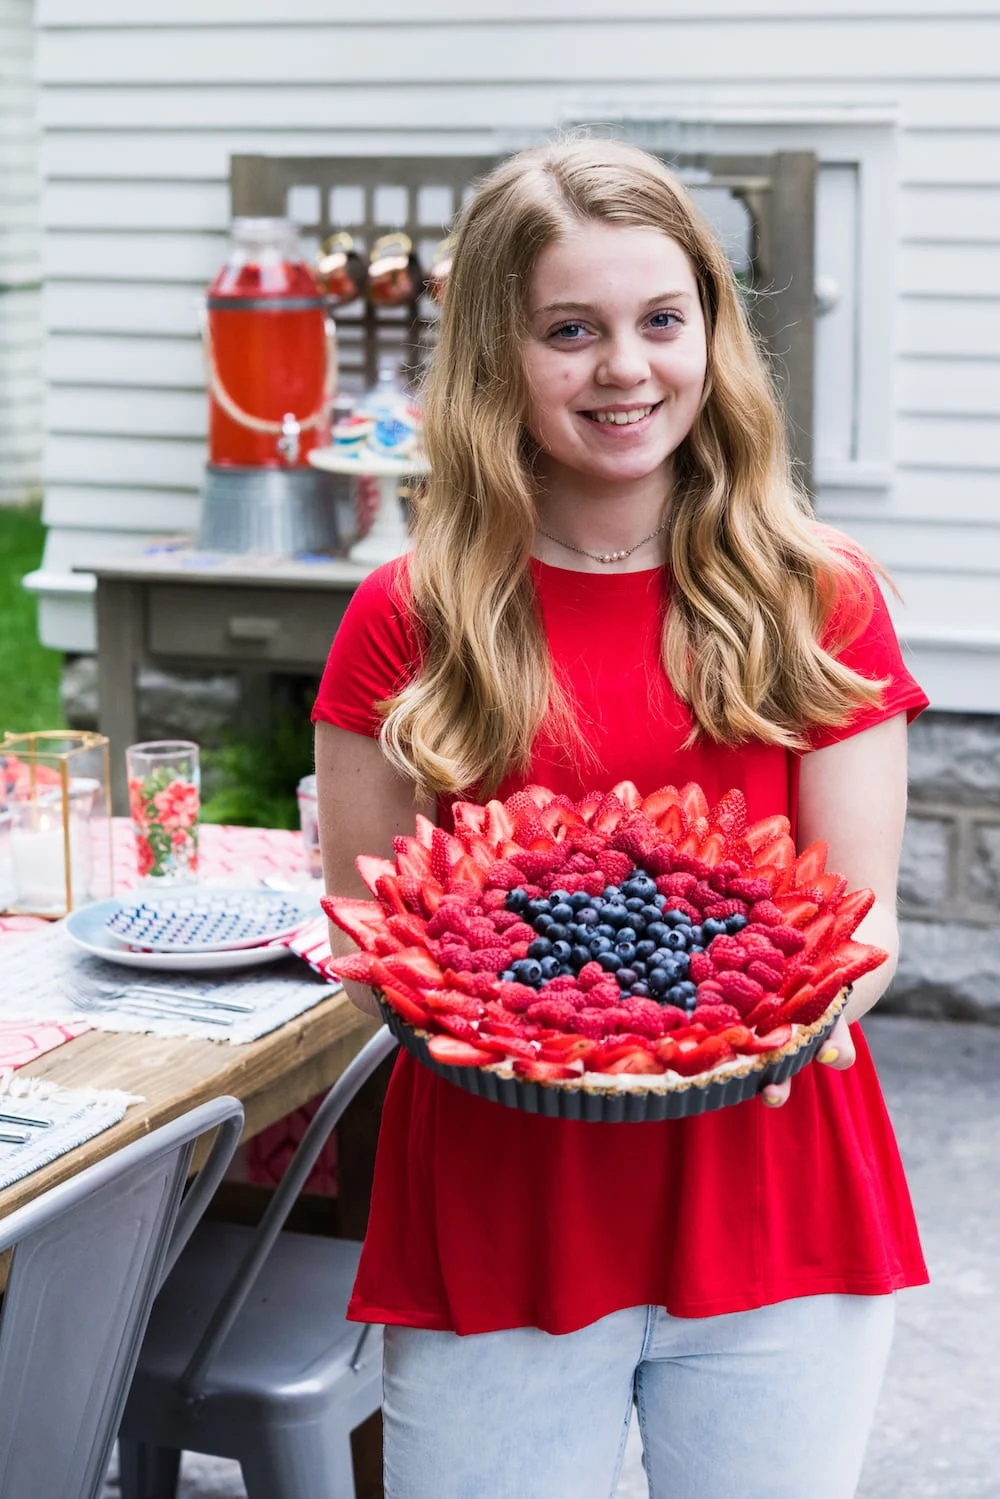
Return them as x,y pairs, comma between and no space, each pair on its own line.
406,1004
423,896
520,804
779,854
762,1017
794,910
818,935
826,891
615,1048
627,793
851,911
658,803
759,834
567,1049
713,849
372,869
536,1071
413,860
609,814
740,1037
363,920
702,1057
635,1063
694,804
498,825
774,1039
414,965
457,1025
446,850
455,1053
356,966
810,864
507,1046
411,930
389,896
729,814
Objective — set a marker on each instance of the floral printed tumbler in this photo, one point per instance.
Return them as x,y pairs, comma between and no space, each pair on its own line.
163,791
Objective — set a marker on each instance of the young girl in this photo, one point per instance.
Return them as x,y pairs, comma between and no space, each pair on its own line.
614,577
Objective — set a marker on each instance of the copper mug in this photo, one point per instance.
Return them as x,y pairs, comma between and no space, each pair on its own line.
341,269
394,275
437,276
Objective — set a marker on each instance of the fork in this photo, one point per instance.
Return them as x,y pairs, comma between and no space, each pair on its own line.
151,1009
161,994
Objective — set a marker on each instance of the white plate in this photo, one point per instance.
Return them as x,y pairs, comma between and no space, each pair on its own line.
202,919
87,928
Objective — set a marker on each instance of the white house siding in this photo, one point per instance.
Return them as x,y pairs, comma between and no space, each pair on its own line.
20,260
142,107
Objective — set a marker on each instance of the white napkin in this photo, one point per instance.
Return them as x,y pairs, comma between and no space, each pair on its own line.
77,1115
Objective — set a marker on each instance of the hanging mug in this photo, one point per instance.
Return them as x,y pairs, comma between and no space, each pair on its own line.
394,275
341,270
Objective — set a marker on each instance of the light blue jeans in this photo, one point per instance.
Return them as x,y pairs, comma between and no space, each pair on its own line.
775,1403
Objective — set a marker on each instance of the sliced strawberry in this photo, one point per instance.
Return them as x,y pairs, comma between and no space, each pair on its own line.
452,1002
568,1048
498,824
364,920
401,999
466,872
609,814
467,816
851,911
413,860
740,1037
422,897
713,850
356,966
778,854
810,864
415,965
537,1071
410,929
627,793
540,795
672,825
507,1046
372,869
764,1016
635,1064
760,834
794,910
777,1037
455,1053
729,815
616,1047
826,890
701,1058
657,803
819,933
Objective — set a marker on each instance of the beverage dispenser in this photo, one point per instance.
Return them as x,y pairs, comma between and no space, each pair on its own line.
270,352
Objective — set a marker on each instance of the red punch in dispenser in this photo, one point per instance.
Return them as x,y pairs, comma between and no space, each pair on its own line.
270,352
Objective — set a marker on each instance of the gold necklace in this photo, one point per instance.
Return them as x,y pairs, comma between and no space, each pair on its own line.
603,556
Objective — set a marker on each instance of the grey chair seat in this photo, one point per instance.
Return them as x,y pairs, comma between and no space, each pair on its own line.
288,1350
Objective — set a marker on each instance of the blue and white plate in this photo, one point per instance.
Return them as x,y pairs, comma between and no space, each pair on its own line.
202,920
88,929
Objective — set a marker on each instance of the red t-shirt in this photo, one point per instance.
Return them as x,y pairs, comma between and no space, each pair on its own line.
485,1218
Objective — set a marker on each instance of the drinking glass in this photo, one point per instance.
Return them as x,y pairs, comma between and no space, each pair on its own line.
309,823
164,784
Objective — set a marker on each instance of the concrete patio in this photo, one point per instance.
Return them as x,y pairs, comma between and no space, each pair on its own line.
937,1434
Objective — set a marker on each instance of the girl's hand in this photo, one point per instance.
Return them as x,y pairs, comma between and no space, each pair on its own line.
838,1052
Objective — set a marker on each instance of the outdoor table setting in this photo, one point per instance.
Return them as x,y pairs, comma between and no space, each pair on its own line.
149,962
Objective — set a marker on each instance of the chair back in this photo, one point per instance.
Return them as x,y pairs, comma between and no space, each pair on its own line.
89,1257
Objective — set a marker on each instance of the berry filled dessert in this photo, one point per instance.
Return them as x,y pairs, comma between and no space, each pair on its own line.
618,945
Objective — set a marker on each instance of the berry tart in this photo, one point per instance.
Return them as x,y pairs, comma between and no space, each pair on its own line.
616,958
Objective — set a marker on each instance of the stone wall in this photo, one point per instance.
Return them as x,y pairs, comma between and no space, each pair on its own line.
949,887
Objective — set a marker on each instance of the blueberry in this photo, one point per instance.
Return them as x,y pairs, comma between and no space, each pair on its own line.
656,931
672,967
579,955
600,944
508,975
674,917
604,929
640,967
650,913
542,923
640,991
697,937
627,934
540,948
659,982
634,903
618,917
627,977
550,967
527,971
712,927
688,989
609,891
675,941
557,932
609,961
626,951
641,886
675,994
659,901
578,900
565,970
587,916
517,900
735,923
555,896
539,907
616,900
562,911
561,950
645,948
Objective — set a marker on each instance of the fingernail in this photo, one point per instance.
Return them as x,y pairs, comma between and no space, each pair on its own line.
772,1103
830,1055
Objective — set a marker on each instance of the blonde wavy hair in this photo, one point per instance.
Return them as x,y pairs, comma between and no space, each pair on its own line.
753,577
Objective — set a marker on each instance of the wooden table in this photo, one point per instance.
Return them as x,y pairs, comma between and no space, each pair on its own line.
191,609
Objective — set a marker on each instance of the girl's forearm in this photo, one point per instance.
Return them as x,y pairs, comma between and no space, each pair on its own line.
880,928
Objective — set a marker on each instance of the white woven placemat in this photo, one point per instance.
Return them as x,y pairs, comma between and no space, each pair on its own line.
76,1115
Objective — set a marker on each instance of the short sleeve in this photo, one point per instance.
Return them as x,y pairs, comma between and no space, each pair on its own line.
862,620
374,653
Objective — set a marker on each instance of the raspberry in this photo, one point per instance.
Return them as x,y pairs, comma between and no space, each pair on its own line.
580,863
676,884
767,977
519,949
454,955
717,1017
481,933
701,895
589,1022
489,960
614,865
522,932
787,940
594,883
710,992
556,1012
701,967
589,975
604,994
618,1018
533,865
766,913
504,875
504,920
567,882
482,985
659,860
721,909
677,903
757,940
517,997
632,842
493,901
740,990
751,888
564,983
672,1017
727,952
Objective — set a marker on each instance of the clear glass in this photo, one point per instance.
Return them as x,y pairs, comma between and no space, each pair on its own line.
309,823
164,792
56,853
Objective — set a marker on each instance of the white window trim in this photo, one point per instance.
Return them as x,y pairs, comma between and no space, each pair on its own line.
865,138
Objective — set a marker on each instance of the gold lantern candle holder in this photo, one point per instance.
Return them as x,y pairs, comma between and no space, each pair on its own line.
58,798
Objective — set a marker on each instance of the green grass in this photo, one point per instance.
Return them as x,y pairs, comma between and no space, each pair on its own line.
251,782
29,674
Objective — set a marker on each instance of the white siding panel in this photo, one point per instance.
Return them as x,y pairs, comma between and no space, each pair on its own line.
589,51
157,462
121,256
945,214
165,511
154,363
124,411
951,156
944,495
910,546
20,256
949,386
949,327
130,308
133,206
949,442
948,270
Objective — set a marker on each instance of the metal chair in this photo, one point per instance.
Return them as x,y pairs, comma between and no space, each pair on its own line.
249,1354
89,1257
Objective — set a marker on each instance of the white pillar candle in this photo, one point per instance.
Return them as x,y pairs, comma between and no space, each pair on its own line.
38,855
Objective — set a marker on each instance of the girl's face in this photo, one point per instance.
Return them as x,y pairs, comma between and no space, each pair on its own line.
615,356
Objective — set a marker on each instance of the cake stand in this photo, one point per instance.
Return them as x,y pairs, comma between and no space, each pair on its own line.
388,536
